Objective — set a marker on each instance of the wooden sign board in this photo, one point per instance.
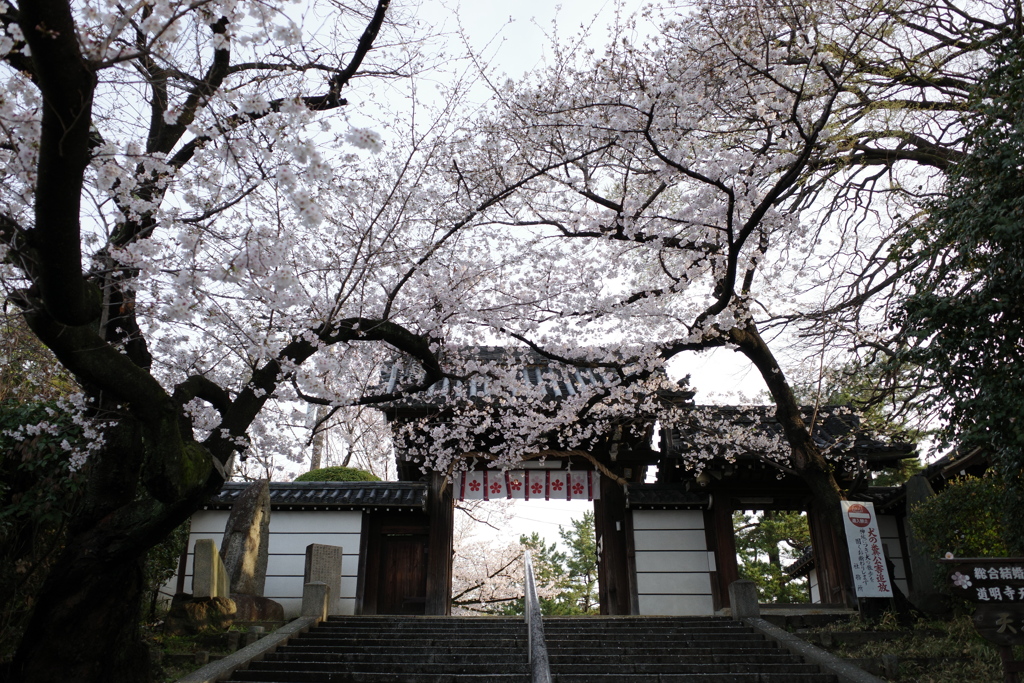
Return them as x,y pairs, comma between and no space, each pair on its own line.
996,585
987,580
1000,624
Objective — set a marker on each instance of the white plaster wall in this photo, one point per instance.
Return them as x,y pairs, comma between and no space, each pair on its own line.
812,581
672,563
890,532
290,533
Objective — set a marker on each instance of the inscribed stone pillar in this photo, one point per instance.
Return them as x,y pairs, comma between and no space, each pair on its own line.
209,580
323,564
743,599
246,538
316,597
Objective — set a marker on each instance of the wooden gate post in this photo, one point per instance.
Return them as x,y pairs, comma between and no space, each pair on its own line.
441,512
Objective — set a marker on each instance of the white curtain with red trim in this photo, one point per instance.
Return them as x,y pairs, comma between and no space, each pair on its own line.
528,485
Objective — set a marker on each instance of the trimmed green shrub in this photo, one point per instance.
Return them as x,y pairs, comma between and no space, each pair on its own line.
337,474
966,519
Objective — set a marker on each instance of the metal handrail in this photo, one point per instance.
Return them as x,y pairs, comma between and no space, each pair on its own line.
537,648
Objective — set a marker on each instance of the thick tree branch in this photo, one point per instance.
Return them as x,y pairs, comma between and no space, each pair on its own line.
66,82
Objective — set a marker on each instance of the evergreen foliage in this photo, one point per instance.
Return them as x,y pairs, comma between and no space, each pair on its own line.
764,545
38,494
966,314
966,518
569,578
337,474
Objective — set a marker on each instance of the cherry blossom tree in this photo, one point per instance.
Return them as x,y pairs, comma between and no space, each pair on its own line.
663,223
201,227
894,141
201,234
749,168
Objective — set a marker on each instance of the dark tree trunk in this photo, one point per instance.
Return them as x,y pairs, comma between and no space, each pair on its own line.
806,459
774,556
86,625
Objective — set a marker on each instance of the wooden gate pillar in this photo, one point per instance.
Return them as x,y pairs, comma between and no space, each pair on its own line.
611,529
441,512
721,540
830,559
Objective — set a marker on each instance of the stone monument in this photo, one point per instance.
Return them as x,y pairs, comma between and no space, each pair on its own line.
323,564
246,538
245,550
209,578
208,609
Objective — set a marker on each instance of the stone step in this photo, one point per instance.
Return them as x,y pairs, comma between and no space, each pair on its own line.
364,677
704,667
418,628
767,650
732,628
401,656
679,647
659,658
422,622
694,678
669,651
656,638
625,622
413,635
483,650
645,628
517,665
357,641
383,626
461,649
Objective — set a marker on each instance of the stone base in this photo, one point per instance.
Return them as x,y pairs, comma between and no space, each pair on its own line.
256,608
190,616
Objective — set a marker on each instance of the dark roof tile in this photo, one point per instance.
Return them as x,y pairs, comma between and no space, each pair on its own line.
331,495
664,496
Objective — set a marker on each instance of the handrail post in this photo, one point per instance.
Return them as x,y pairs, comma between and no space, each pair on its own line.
537,649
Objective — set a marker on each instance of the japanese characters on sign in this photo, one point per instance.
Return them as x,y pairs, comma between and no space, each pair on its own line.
528,485
996,584
867,558
1001,624
988,580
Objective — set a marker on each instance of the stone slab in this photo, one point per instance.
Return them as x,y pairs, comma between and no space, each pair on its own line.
323,564
743,599
244,547
316,599
209,579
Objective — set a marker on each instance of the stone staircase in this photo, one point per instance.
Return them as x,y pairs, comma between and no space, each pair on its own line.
669,650
400,650
493,650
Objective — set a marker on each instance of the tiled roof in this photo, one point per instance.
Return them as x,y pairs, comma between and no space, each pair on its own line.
331,495
664,496
886,499
802,565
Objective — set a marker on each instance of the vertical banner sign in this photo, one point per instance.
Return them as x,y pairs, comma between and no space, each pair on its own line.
870,575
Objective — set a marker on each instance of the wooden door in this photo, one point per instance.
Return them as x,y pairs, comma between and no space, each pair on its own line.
402,580
393,577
